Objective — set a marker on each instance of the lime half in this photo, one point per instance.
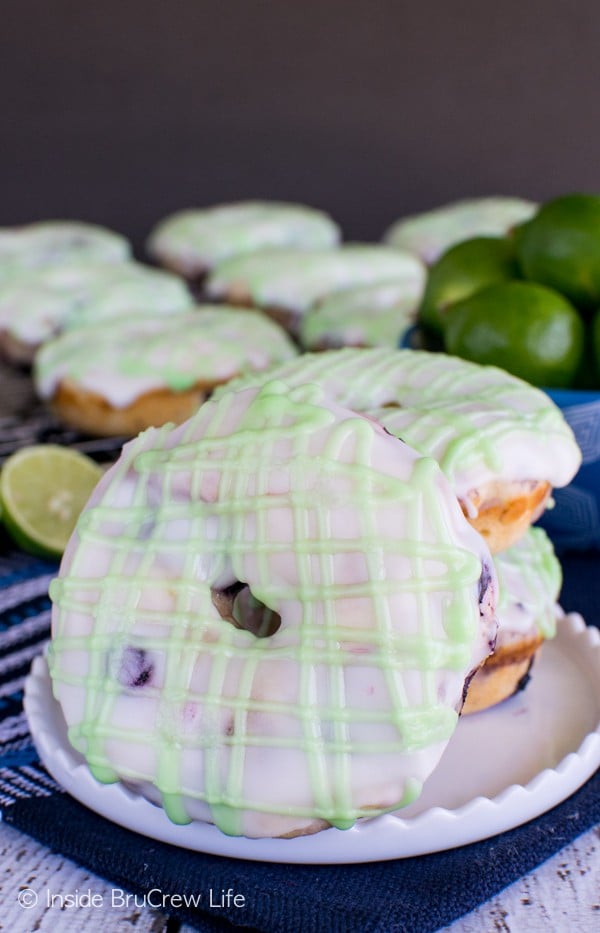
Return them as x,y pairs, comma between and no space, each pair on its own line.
43,490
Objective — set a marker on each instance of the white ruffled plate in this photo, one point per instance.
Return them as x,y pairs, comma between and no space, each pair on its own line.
502,767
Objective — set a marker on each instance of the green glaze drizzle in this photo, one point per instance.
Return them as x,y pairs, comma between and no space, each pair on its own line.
478,422
294,280
529,578
139,353
431,233
353,671
55,241
371,316
196,239
35,304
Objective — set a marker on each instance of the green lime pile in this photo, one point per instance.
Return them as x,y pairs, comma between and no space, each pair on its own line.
529,302
43,490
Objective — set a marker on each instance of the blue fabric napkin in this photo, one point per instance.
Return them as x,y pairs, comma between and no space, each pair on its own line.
416,895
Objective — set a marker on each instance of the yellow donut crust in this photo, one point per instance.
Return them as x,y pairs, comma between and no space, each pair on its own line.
502,674
90,413
145,371
506,510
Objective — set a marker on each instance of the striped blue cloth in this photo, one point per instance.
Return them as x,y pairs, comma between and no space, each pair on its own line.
416,895
24,629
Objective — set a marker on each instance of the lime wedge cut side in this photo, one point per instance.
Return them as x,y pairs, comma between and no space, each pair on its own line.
43,490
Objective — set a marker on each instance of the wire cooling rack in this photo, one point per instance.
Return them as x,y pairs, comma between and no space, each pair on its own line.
24,420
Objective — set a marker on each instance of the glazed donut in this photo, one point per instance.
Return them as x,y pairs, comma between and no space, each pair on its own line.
502,444
266,616
430,234
285,283
37,304
145,371
529,581
371,316
191,242
51,241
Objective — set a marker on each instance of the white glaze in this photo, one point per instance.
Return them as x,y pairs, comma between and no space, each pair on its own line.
529,581
51,241
371,316
36,304
480,423
351,537
139,354
294,280
195,240
430,234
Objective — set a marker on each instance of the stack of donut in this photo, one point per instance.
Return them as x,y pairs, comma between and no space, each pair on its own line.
326,558
502,444
529,580
282,586
267,615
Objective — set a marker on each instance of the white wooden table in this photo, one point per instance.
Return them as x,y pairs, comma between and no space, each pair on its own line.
563,894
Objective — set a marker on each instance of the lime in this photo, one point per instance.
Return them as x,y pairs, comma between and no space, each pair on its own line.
43,489
588,373
461,270
595,342
527,329
560,247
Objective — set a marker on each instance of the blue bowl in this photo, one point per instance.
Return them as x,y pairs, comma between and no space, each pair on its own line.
574,522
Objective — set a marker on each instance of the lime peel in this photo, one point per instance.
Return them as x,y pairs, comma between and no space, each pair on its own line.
43,489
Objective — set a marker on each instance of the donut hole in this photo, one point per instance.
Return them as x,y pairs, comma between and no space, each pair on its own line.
238,605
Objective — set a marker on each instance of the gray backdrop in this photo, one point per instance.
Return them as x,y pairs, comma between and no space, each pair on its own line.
122,111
